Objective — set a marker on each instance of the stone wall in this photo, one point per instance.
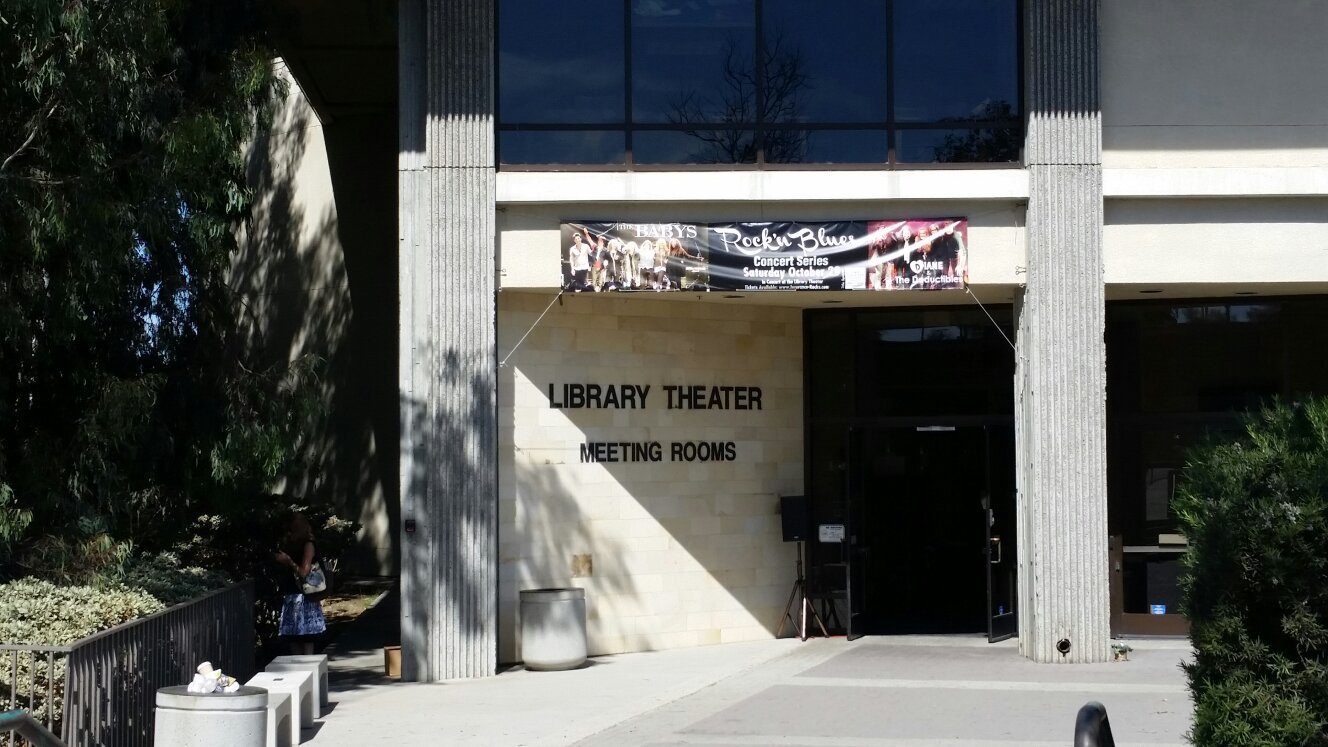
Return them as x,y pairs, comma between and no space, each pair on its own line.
673,552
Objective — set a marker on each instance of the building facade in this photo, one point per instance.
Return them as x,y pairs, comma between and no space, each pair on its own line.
1141,190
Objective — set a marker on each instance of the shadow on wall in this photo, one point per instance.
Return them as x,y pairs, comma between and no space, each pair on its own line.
550,522
294,278
671,553
454,584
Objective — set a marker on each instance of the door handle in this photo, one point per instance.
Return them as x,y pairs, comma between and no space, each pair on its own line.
994,550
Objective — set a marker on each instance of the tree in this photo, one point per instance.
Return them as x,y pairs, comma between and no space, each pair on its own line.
1000,142
1255,514
724,121
128,402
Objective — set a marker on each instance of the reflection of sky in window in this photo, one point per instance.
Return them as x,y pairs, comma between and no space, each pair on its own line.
700,146
954,56
842,45
561,62
920,334
679,49
1246,313
532,147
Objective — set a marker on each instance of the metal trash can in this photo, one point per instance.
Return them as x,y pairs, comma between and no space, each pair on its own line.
553,628
186,719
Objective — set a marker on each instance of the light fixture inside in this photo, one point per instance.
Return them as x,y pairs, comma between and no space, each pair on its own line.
1152,290
832,300
1247,293
734,295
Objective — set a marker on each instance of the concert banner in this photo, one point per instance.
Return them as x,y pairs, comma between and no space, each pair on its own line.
884,255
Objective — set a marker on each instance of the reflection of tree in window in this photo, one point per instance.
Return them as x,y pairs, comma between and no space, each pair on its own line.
991,145
748,96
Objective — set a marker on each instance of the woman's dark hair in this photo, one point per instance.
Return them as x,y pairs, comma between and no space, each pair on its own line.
298,528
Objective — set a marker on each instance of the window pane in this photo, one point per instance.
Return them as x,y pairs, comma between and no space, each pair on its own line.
697,146
570,147
939,362
561,62
1194,357
826,146
693,61
824,62
956,59
959,146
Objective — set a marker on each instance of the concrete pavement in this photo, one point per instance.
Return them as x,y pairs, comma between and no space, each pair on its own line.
874,692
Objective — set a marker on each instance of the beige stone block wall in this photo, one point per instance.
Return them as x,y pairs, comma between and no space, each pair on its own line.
680,553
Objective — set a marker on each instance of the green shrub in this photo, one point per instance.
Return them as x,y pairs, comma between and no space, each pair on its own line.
1255,513
163,577
36,612
100,561
76,561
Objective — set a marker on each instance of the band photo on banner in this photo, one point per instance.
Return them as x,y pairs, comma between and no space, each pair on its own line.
884,255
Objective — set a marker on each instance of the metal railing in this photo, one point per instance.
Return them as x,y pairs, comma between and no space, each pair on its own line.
34,680
20,722
1091,727
106,684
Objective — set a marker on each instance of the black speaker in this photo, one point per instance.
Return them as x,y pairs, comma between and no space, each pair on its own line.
795,517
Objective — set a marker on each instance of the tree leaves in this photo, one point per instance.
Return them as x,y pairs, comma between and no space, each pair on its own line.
1255,513
124,392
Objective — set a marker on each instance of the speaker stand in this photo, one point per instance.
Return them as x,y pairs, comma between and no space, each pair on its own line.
805,606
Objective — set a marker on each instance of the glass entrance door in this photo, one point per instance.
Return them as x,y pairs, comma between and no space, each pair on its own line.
916,553
999,519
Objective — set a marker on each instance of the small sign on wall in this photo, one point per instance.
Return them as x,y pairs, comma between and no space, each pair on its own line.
830,532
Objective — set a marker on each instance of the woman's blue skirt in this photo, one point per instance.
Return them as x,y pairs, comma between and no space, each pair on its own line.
300,616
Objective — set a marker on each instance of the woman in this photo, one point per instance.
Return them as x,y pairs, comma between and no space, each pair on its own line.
631,266
647,264
661,259
301,618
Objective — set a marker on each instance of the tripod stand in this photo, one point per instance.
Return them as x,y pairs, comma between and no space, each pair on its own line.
804,607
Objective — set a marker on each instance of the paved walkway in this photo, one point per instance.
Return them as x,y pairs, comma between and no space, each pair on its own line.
874,692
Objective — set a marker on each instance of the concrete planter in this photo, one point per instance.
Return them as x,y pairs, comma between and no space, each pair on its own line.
553,628
186,719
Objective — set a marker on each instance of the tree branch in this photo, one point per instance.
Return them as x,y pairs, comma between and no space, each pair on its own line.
32,136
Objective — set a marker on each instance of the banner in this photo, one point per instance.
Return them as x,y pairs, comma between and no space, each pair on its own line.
881,255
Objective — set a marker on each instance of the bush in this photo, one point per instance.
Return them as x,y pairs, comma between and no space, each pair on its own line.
37,612
101,562
163,577
1255,513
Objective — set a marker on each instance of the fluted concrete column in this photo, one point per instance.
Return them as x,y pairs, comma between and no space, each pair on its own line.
448,383
1061,377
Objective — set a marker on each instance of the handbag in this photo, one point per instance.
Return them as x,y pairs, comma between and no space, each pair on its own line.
316,581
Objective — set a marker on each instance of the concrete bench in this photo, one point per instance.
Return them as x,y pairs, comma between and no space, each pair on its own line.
300,687
280,720
316,663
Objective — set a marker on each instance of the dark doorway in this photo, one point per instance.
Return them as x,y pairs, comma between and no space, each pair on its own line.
910,446
918,527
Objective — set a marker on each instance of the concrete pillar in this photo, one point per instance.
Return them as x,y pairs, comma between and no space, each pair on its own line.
1061,370
448,383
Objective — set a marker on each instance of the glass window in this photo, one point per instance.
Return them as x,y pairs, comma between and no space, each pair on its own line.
693,146
535,147
721,82
932,362
959,146
1194,357
693,61
956,60
826,146
824,62
561,62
